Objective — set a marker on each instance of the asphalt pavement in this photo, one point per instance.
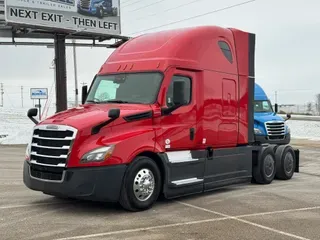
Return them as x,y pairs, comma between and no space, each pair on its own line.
281,210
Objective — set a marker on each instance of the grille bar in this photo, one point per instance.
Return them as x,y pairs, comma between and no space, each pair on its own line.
48,156
50,147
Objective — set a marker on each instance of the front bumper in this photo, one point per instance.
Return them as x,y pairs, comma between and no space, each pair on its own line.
94,183
265,139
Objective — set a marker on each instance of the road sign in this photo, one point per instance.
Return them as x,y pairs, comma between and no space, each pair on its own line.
39,93
86,16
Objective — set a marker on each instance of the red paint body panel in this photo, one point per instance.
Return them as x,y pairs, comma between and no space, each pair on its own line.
218,111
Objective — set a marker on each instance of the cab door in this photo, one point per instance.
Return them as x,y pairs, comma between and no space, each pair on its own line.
181,135
179,128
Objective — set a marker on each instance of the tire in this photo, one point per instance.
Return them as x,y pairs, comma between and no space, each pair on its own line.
265,170
285,162
129,197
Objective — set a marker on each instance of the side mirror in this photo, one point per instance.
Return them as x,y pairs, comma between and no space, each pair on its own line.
33,112
84,94
114,113
178,93
276,108
178,98
288,116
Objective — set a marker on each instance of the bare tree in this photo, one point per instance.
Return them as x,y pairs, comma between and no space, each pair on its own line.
318,103
309,107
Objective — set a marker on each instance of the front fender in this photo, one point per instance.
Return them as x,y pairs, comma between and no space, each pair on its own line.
127,146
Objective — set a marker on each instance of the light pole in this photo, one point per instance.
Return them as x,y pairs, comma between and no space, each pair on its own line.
75,71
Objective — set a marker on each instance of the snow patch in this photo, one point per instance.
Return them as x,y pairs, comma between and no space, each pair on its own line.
16,127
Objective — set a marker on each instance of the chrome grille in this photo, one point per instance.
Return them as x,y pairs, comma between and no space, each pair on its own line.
85,4
51,145
275,130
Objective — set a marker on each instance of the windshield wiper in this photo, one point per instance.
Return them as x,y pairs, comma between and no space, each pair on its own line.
92,101
115,101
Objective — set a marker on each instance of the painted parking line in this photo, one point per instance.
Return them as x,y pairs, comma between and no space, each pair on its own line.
222,218
31,205
237,218
142,229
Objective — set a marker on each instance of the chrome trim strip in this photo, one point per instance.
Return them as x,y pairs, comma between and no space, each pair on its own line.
180,157
187,181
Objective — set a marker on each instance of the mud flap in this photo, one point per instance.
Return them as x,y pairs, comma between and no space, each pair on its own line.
297,154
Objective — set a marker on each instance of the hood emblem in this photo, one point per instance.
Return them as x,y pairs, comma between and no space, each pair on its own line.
53,127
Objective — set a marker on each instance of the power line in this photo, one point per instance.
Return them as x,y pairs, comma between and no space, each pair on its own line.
145,6
131,3
169,9
197,16
125,1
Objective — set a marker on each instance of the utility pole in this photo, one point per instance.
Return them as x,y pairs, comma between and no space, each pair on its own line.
75,72
21,96
276,97
2,93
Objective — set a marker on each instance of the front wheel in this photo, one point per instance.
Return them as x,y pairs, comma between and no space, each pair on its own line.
141,185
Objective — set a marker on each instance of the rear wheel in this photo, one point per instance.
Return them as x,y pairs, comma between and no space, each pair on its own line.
265,169
285,162
141,186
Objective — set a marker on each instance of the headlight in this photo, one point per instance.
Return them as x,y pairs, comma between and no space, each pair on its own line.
96,5
288,129
98,154
28,151
257,131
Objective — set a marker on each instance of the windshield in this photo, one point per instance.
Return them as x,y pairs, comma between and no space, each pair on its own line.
262,106
125,88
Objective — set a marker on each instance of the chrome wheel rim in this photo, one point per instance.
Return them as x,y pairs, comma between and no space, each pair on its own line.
143,185
269,165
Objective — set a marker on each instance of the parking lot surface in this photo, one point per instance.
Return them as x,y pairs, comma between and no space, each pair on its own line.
281,210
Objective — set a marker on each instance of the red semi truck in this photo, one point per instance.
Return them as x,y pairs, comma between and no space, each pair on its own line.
169,113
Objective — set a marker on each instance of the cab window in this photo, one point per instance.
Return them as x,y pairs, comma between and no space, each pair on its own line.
187,90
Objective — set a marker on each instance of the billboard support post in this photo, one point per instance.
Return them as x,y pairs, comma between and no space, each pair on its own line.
61,72
39,109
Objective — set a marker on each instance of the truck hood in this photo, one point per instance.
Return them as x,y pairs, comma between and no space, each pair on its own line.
265,117
90,114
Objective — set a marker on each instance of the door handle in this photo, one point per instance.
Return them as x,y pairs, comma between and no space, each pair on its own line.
191,134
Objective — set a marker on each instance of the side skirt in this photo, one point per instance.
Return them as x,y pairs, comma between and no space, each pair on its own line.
184,172
197,171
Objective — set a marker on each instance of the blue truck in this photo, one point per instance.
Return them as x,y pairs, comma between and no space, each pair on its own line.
269,127
98,8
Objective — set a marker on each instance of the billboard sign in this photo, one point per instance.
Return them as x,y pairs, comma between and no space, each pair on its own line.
39,93
86,16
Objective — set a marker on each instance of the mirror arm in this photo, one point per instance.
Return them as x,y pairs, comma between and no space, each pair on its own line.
33,120
167,111
97,128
